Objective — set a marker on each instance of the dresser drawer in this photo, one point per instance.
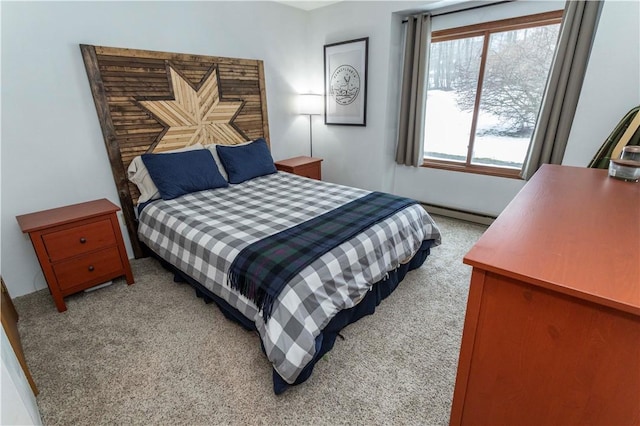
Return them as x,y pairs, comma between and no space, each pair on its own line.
93,266
80,239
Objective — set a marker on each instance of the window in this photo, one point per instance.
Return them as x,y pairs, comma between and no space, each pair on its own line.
485,88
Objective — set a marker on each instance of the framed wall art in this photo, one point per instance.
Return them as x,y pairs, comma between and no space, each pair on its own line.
345,82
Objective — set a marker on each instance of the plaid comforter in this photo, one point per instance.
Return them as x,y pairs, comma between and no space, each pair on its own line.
262,269
203,232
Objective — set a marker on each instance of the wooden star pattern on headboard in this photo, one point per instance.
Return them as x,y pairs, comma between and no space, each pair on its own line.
151,101
196,115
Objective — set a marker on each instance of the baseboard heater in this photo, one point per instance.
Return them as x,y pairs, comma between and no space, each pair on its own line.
459,214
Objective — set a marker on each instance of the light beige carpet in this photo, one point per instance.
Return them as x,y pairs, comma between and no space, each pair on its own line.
154,354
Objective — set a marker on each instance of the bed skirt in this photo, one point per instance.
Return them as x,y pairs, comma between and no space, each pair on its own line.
326,339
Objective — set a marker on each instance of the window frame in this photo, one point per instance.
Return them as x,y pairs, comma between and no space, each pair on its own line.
485,29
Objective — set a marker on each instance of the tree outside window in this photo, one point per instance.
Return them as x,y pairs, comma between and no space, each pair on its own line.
486,84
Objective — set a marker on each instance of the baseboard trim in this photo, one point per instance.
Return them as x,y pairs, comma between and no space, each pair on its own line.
459,214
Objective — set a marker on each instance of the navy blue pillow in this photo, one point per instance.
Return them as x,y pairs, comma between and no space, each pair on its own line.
180,173
247,161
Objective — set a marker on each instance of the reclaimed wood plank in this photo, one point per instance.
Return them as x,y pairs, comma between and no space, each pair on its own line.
124,80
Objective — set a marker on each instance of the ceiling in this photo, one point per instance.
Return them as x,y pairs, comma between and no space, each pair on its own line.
308,4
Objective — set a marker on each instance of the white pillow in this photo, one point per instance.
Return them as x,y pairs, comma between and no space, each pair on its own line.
216,157
138,174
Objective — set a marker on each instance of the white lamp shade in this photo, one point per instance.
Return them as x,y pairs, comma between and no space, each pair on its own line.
310,104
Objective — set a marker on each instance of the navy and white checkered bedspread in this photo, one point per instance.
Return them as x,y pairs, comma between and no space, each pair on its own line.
201,234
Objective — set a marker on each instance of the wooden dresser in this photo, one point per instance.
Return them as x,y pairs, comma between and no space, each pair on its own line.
78,246
310,167
552,328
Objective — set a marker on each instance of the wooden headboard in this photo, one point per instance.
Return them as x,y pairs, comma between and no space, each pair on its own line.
151,101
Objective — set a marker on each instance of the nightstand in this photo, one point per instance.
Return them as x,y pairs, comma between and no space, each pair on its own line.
302,166
78,246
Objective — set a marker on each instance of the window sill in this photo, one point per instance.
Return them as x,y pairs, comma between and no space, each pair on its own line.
471,168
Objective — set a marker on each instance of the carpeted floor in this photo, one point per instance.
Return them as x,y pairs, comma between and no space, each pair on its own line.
153,353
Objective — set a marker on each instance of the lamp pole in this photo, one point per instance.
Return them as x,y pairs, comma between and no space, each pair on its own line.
311,104
310,135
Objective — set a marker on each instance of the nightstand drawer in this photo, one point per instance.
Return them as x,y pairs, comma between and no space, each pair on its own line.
93,266
81,239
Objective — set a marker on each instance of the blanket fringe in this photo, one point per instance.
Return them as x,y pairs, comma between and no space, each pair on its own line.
247,288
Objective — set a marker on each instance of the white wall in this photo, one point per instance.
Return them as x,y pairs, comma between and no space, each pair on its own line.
364,156
612,82
359,156
53,152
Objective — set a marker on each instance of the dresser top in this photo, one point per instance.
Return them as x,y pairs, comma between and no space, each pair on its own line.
572,230
59,216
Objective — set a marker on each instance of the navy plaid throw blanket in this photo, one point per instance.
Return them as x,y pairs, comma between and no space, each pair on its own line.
262,269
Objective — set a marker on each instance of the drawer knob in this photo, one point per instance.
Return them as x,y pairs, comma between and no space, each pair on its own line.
83,240
91,268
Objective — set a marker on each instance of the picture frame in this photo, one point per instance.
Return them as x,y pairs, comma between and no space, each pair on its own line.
345,82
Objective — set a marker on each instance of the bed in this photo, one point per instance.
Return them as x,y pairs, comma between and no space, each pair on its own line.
216,196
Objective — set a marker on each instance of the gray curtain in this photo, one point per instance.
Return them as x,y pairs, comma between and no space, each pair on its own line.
564,84
414,91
